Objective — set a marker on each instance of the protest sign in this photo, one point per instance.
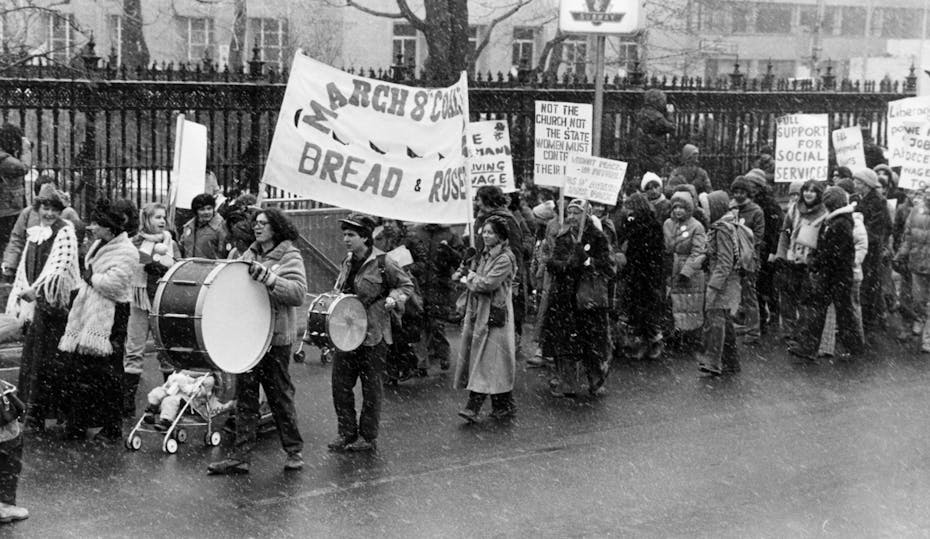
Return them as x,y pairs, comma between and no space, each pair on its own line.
905,117
561,128
372,146
914,158
801,148
489,158
594,179
848,147
190,162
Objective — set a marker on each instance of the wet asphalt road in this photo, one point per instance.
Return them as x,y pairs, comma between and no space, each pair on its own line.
781,450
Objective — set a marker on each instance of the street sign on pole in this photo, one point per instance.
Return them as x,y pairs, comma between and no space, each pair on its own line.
600,16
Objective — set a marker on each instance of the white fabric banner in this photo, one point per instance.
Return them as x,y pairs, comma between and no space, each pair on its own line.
848,147
802,148
385,149
190,162
594,179
561,128
905,118
490,160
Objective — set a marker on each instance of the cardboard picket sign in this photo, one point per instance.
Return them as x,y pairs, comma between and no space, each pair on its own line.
594,179
849,148
561,129
489,155
190,162
372,146
914,158
802,147
905,118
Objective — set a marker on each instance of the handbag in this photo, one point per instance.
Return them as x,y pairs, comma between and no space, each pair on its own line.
591,292
497,316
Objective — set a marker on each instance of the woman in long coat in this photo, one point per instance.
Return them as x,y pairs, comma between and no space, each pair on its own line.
487,362
686,242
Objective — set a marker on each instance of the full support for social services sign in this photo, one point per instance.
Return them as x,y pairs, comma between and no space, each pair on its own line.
561,128
372,146
802,149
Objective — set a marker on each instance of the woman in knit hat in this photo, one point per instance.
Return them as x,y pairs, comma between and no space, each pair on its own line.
95,336
48,271
685,244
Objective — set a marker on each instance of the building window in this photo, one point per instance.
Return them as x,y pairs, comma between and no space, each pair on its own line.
896,23
741,18
808,20
271,37
524,40
60,37
197,33
473,33
627,54
711,19
575,54
405,44
115,30
773,18
853,23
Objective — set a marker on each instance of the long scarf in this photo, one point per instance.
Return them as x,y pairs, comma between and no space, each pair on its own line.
92,314
59,276
140,296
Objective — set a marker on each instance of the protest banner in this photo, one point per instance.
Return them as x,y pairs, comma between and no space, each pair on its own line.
594,179
489,157
905,117
848,147
190,162
561,128
371,146
801,148
915,160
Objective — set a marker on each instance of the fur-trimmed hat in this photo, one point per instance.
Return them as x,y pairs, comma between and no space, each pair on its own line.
835,198
868,177
684,200
742,183
648,178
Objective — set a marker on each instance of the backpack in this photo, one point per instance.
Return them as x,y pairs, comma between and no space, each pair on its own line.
745,245
408,325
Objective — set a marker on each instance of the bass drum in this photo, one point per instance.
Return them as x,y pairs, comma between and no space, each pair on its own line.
336,321
210,314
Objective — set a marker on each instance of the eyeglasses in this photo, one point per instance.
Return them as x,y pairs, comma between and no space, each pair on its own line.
259,223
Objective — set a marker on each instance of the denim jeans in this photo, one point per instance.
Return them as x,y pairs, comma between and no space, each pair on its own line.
366,363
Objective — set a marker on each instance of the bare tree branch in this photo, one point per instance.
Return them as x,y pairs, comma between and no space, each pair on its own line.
408,14
487,35
376,13
547,48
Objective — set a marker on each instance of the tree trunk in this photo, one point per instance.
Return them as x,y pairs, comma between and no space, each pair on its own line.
237,42
134,51
446,40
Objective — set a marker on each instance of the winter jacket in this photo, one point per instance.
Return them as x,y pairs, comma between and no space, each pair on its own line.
774,217
686,241
514,235
372,286
487,361
915,246
874,211
799,216
645,245
204,241
436,251
652,129
692,175
831,264
12,188
29,217
289,289
723,280
750,214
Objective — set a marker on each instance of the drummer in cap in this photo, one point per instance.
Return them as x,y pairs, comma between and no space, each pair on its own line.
382,286
275,262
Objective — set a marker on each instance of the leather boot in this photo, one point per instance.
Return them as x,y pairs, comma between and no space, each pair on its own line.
130,385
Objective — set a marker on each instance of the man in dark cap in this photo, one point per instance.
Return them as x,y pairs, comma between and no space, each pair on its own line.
382,286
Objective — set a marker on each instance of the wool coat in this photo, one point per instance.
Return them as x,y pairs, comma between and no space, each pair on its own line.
686,242
831,264
487,359
723,280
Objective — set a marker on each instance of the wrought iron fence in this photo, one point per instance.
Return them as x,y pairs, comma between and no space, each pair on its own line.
104,129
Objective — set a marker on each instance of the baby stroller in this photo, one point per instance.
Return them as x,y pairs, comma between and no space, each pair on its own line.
198,407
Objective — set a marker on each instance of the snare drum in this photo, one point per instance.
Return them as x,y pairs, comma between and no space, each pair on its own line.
211,314
336,321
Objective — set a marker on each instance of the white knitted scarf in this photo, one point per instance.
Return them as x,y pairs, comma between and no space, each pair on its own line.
140,295
59,275
94,309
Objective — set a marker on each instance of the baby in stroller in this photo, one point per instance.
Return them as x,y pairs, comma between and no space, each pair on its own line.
167,400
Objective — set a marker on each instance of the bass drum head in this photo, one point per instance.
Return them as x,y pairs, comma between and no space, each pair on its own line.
347,323
236,320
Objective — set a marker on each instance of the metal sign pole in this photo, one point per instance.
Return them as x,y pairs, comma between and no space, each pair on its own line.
598,109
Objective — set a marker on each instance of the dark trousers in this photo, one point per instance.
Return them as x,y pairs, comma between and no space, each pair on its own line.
500,402
366,364
719,348
271,373
872,296
11,463
847,322
436,342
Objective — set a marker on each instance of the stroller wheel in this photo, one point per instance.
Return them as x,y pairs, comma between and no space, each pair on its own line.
171,446
212,438
300,356
181,435
134,443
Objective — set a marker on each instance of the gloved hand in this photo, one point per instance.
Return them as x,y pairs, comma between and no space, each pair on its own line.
262,274
88,273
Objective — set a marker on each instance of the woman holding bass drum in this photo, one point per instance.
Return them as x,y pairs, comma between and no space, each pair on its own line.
275,262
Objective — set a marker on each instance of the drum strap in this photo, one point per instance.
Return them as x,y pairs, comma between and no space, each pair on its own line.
385,289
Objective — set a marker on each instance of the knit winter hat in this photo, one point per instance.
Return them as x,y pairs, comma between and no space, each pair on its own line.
868,177
834,198
688,151
544,211
581,204
757,176
49,195
846,184
648,178
683,199
742,183
795,188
